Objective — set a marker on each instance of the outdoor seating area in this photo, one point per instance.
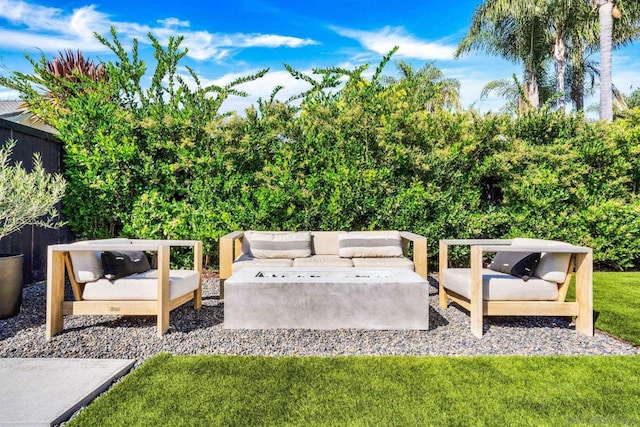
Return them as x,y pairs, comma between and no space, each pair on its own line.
205,332
114,276
280,213
323,280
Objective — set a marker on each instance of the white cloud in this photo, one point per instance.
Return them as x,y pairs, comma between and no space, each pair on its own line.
52,29
272,40
33,16
173,22
46,43
382,41
49,29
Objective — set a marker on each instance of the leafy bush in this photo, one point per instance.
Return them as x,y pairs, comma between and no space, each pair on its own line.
27,197
356,153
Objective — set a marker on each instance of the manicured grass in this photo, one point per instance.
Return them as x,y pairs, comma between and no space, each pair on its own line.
616,299
404,391
361,391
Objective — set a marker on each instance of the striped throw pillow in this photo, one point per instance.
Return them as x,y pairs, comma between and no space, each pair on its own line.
370,244
287,245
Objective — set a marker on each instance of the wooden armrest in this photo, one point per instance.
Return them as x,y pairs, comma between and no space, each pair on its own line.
233,235
469,242
136,244
560,249
419,251
230,248
412,237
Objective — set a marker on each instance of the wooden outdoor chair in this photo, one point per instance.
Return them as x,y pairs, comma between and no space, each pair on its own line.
151,293
486,292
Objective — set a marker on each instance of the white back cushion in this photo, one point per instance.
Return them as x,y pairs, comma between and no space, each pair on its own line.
281,245
370,244
87,265
324,242
552,267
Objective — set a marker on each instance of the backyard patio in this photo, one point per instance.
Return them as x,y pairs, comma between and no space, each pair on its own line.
231,374
201,332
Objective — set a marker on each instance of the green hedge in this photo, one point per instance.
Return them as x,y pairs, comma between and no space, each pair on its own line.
363,154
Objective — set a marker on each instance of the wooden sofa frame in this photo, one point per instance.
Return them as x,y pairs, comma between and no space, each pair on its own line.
581,309
58,259
231,248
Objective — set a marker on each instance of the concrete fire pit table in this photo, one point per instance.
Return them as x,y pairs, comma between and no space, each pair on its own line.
326,298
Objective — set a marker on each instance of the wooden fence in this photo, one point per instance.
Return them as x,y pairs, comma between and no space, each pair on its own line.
33,241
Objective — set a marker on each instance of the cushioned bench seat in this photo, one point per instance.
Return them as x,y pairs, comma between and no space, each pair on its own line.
141,286
498,286
246,260
330,249
400,262
323,261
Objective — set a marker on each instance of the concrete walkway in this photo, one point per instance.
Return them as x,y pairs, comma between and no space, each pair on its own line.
45,392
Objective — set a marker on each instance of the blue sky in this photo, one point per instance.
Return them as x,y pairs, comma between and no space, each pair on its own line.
228,39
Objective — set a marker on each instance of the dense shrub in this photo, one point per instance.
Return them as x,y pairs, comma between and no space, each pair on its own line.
357,153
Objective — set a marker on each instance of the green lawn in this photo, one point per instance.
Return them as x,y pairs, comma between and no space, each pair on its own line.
397,391
362,391
616,300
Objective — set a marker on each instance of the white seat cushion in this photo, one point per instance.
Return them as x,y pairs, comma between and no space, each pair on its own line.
141,286
246,260
401,262
498,286
323,261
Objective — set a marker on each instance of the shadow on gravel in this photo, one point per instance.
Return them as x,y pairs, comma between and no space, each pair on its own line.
183,319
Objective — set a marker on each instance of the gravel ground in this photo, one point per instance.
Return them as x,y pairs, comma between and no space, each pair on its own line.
201,332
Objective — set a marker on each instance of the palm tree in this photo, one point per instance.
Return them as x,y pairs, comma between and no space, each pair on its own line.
512,90
626,29
509,89
573,29
538,32
514,30
429,88
605,18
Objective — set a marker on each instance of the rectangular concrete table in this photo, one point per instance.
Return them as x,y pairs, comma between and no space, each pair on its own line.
326,298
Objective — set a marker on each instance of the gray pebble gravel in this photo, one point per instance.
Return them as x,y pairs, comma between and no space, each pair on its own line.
201,332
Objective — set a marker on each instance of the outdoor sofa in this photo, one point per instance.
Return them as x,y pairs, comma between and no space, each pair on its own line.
114,276
526,277
326,249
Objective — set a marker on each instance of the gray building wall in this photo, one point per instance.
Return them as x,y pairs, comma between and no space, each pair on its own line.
33,241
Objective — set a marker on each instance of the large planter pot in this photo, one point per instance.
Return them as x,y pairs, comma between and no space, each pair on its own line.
10,285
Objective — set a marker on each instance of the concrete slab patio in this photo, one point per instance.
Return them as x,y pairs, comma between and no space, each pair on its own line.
44,392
